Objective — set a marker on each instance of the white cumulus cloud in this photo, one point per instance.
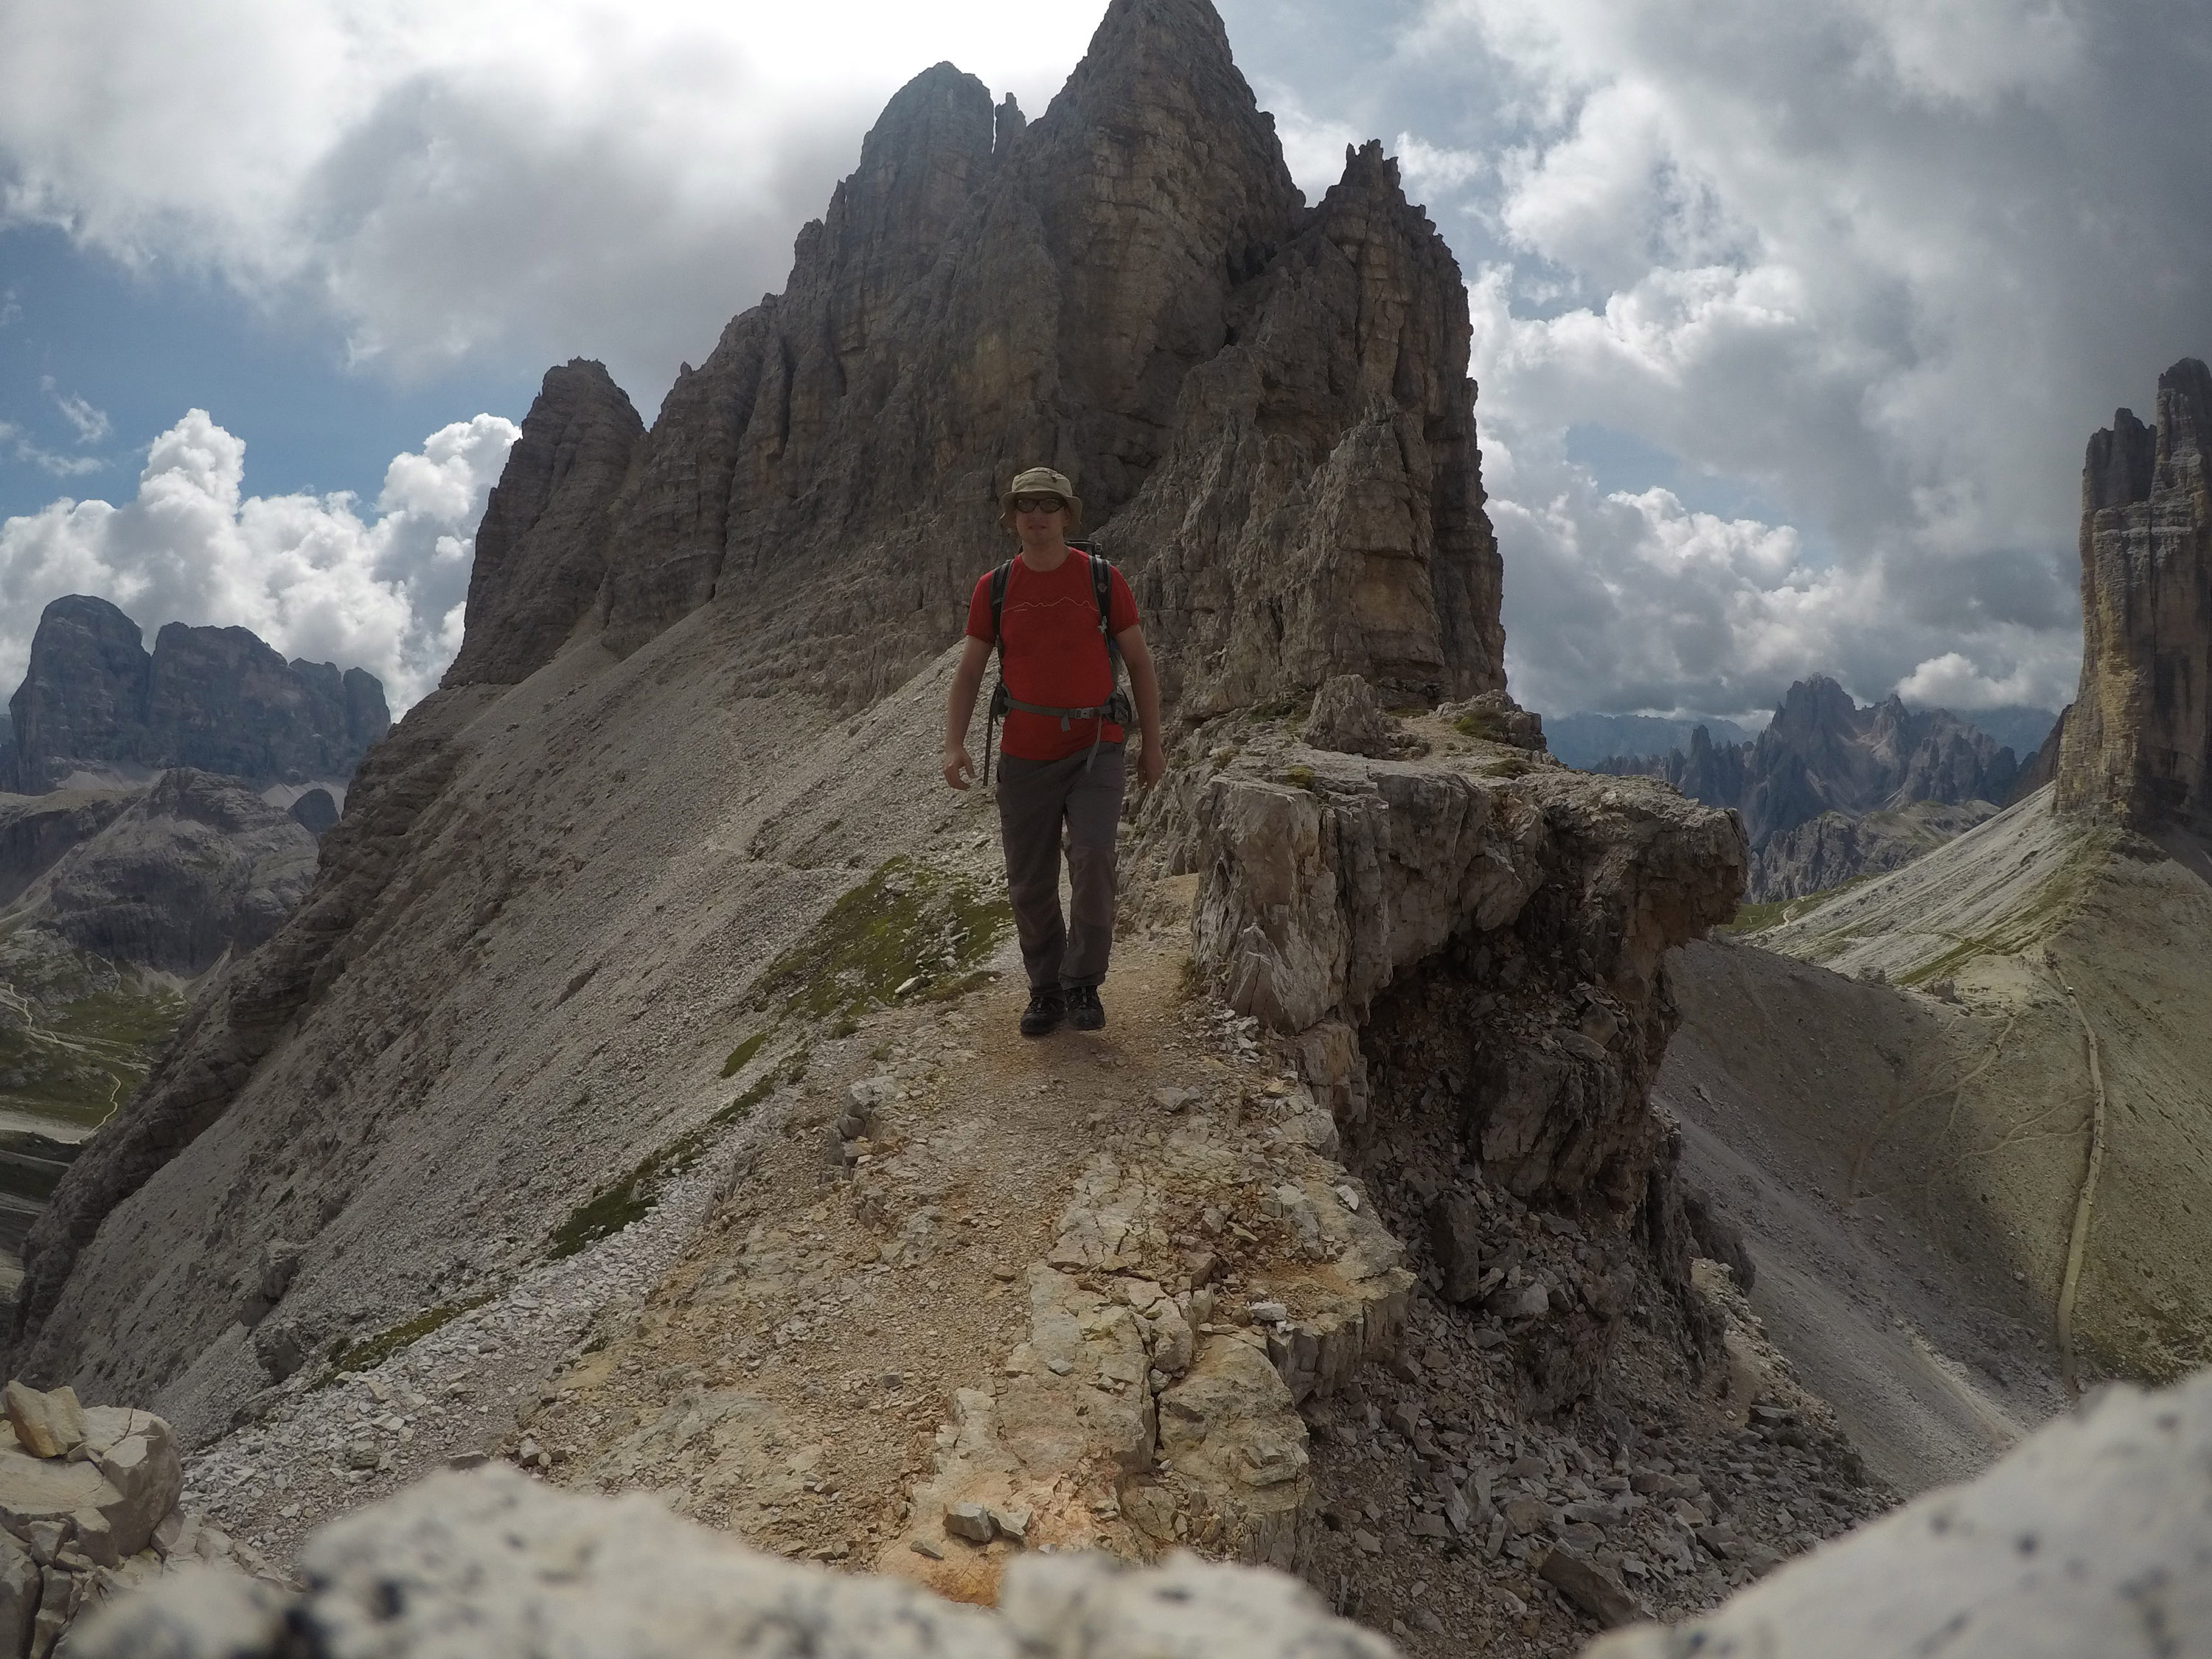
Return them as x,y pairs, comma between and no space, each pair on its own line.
315,575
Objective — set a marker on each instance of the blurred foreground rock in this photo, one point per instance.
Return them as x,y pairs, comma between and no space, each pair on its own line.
492,1564
2094,1537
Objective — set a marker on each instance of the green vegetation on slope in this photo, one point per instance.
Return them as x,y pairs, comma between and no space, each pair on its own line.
78,1035
1751,918
373,1350
907,930
609,1212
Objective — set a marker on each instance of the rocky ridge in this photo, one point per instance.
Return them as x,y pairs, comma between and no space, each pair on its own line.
2114,1492
1835,848
95,701
1094,1294
2138,747
1321,375
577,934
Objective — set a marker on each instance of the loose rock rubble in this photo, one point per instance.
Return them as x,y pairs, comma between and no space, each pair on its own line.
2091,1537
88,1510
324,1442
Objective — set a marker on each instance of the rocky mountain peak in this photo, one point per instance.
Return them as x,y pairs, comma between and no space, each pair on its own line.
1130,289
94,699
2137,743
541,549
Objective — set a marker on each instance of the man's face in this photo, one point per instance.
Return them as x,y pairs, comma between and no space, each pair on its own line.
1042,520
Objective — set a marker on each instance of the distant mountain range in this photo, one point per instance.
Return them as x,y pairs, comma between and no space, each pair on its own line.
1824,763
1584,740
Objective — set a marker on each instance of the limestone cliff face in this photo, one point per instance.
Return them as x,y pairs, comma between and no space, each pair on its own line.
216,699
1265,407
540,552
2137,745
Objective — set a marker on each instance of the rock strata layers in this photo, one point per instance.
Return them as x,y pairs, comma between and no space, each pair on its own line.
1468,954
216,699
2138,748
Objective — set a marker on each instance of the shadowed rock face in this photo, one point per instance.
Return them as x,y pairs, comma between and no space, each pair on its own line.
1265,407
540,551
2137,745
216,699
196,866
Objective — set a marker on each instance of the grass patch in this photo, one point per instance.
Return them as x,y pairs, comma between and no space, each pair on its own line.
905,926
629,1199
1299,777
2053,904
74,1057
373,1350
1511,767
1295,709
1480,723
1751,918
742,1055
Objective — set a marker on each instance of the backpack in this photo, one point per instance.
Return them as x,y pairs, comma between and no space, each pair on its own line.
1115,709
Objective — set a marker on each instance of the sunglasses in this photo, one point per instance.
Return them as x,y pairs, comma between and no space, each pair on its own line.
1039,504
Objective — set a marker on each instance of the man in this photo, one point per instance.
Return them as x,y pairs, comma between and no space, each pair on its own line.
1061,765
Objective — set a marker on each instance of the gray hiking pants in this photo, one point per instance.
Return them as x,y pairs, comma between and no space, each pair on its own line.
1038,800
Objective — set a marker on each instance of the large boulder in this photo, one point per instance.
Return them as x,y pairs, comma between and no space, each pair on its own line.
117,1478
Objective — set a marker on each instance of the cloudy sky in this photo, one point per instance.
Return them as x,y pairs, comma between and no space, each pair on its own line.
1791,317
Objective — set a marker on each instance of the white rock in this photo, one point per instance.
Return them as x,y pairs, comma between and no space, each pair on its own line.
2088,1538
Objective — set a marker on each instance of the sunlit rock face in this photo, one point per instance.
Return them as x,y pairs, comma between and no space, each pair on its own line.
2137,745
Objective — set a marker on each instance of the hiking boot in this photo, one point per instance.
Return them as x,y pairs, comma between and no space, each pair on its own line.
1046,1010
1085,1011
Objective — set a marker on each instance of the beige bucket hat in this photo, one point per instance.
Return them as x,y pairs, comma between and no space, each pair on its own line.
1040,480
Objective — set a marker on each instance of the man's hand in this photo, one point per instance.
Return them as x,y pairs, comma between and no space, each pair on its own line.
1151,764
959,766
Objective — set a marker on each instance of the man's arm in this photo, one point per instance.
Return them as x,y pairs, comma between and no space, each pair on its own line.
967,680
1144,686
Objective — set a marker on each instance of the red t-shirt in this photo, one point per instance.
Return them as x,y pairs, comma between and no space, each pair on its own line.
1053,656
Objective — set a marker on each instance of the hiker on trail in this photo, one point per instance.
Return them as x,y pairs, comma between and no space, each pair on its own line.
1060,619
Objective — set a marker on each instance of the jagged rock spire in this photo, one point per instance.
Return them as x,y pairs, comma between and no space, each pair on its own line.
2137,743
540,550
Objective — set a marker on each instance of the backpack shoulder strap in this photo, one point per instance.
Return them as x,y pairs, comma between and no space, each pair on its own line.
1102,589
999,575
